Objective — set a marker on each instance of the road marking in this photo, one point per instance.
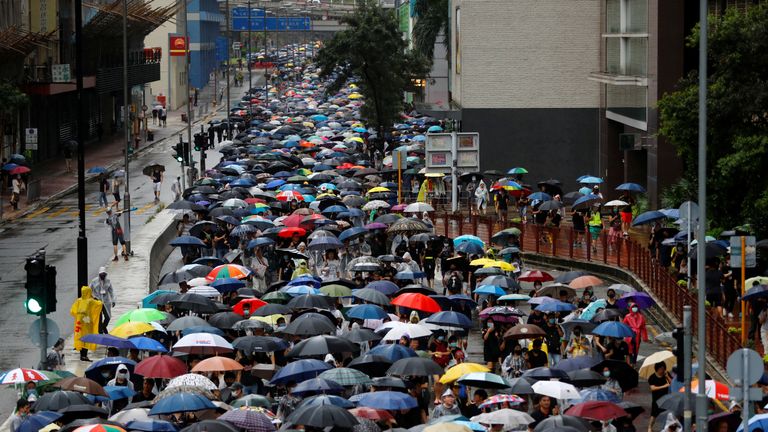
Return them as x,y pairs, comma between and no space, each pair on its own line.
38,212
144,208
58,212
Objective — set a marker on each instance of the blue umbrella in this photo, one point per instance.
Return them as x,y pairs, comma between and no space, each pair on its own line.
419,138
107,363
468,238
319,118
151,426
383,286
590,180
759,291
596,394
317,385
367,311
576,363
450,318
274,184
641,299
392,352
327,400
260,242
490,290
759,421
243,182
187,241
107,340
613,329
96,170
410,275
473,426
359,130
181,402
470,248
541,196
631,187
297,290
586,201
202,329
387,400
435,129
556,306
225,285
299,371
648,217
352,233
673,214
147,344
146,301
119,392
9,166
37,421
462,298
324,243
588,312
585,190
305,280
334,209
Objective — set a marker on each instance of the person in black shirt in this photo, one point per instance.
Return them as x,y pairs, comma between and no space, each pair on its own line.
146,393
554,334
611,301
544,409
536,357
578,227
537,318
713,280
491,345
659,384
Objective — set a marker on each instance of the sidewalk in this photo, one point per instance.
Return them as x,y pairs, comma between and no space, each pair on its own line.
108,153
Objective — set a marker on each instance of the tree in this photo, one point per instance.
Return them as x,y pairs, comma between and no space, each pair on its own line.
737,124
11,101
432,20
372,53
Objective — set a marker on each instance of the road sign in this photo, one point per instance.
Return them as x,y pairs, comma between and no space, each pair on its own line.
736,366
53,332
235,46
754,393
694,210
750,250
272,23
30,138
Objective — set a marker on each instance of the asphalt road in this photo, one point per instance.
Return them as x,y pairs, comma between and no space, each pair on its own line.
55,228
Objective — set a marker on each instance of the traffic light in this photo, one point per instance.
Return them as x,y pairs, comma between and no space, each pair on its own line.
199,142
50,289
36,284
679,334
187,154
178,150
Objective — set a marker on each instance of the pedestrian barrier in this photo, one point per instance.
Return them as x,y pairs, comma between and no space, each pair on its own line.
626,253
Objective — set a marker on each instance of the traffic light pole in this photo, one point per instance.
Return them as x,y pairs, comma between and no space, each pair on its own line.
203,147
188,59
687,413
183,175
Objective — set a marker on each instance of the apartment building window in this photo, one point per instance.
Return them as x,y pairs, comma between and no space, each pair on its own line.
625,44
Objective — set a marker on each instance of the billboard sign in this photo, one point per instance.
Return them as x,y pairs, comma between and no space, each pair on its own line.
177,45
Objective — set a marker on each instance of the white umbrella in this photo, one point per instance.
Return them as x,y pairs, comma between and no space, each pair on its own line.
418,207
649,364
204,290
375,204
616,203
134,414
400,329
234,203
202,343
511,419
198,281
622,288
192,379
435,327
556,389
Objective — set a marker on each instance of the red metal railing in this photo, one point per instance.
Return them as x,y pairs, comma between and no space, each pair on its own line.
628,254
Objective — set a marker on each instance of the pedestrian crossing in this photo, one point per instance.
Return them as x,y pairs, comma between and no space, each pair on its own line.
69,211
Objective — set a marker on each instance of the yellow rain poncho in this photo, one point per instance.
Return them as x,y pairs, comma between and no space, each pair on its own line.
423,190
86,311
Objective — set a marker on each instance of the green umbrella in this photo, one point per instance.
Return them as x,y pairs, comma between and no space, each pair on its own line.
336,290
346,376
145,315
276,297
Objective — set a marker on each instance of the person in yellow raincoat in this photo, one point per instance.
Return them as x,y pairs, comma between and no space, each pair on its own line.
423,191
86,311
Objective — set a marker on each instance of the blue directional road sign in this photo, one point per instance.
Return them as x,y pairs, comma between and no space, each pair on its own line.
258,22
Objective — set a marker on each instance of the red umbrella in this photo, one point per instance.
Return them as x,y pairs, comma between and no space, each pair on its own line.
416,301
161,366
291,231
290,195
293,220
371,413
597,410
535,276
254,200
251,303
19,170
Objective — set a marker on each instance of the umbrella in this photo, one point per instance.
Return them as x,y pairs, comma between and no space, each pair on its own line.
320,346
228,271
184,322
58,400
585,378
191,380
346,376
300,370
675,402
510,418
415,366
322,416
151,425
250,400
317,386
545,373
202,343
181,402
241,309
217,364
418,207
408,226
371,296
252,344
555,389
145,315
483,380
108,340
490,290
22,375
387,400
606,315
649,364
82,385
585,281
569,276
641,299
461,369
648,217
194,303
370,364
563,423
597,394
161,366
310,324
151,168
119,392
360,335
576,363
597,410
451,319
367,311
392,352
36,422
211,426
759,421
416,301
613,329
535,276
525,331
97,369
371,414
620,371
249,420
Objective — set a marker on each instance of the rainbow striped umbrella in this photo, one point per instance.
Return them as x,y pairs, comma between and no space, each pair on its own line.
228,271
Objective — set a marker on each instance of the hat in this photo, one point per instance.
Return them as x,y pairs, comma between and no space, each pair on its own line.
102,270
448,393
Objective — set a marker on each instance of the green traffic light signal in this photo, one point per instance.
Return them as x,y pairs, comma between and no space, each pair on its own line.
33,306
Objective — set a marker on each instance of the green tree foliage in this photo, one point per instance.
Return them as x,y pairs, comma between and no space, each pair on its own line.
372,53
432,20
11,99
737,124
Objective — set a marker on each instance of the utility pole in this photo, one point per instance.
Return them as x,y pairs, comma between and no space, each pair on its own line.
229,66
127,125
82,134
187,60
248,52
701,396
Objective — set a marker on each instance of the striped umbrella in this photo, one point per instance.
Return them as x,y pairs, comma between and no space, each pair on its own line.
228,271
346,376
22,375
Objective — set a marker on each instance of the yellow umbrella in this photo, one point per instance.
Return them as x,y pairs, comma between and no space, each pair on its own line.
356,139
355,96
378,189
434,174
269,319
761,280
648,367
460,370
358,124
500,264
131,328
481,262
353,86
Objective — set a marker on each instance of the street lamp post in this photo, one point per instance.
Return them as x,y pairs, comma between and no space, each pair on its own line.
187,61
248,52
229,66
127,135
82,133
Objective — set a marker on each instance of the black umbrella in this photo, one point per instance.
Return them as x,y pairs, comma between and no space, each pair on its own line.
545,374
211,426
195,303
252,344
185,322
360,335
320,346
620,371
175,277
185,205
165,298
606,315
271,309
388,382
224,320
371,296
675,403
151,168
310,324
712,250
561,422
585,378
371,365
567,277
76,411
219,211
308,301
408,226
322,416
197,229
57,400
247,324
415,366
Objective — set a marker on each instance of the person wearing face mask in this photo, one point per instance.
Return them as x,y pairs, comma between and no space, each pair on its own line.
514,364
122,378
101,288
610,302
636,321
579,345
585,299
611,384
554,335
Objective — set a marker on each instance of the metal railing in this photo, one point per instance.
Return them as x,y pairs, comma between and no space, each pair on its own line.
626,253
